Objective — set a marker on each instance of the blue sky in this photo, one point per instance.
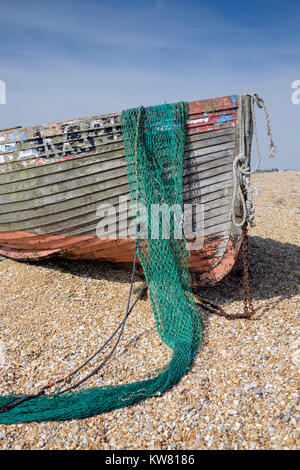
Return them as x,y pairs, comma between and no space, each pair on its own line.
63,59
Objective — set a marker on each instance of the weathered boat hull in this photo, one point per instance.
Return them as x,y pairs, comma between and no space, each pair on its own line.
53,178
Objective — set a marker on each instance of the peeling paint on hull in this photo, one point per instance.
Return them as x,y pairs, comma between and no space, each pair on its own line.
26,246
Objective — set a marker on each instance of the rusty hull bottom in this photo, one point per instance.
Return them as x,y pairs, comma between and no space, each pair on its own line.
22,246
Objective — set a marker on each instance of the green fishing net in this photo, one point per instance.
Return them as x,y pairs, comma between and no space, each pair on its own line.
154,140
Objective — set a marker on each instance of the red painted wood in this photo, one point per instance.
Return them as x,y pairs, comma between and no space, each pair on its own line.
28,246
214,104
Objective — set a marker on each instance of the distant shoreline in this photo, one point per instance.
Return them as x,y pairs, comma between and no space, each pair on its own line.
274,170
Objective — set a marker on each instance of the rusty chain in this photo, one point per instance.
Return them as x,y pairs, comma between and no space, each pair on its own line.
249,311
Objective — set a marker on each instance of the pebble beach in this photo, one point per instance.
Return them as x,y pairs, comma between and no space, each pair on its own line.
240,393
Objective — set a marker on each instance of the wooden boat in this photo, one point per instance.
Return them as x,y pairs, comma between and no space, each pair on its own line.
53,177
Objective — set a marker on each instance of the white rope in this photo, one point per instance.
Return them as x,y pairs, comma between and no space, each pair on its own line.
241,168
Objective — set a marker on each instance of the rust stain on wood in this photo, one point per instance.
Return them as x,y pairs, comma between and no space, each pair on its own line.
28,246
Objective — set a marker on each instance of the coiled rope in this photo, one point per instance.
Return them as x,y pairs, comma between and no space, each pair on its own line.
241,170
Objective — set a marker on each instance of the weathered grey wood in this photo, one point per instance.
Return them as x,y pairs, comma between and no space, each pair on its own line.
52,170
55,134
72,174
58,190
213,164
208,190
81,213
192,186
49,168
210,134
220,231
103,144
94,166
84,126
210,230
218,213
221,222
52,144
210,198
210,157
68,226
32,142
69,176
193,141
210,150
216,228
212,172
22,212
65,189
80,209
214,140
